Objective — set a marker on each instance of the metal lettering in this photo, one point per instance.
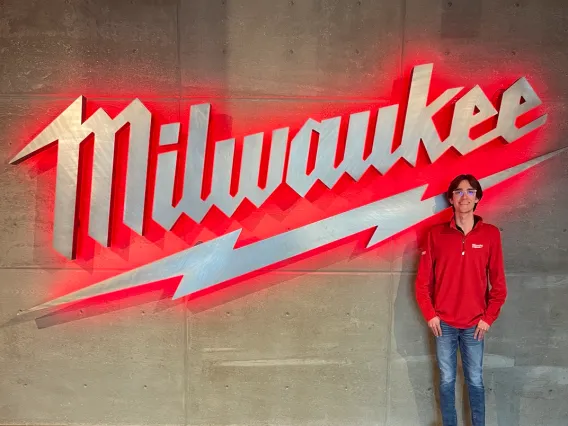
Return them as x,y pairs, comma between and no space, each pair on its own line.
465,118
192,203
297,177
418,124
105,130
382,157
512,108
218,260
70,132
418,127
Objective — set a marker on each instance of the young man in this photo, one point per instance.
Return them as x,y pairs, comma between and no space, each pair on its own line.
458,261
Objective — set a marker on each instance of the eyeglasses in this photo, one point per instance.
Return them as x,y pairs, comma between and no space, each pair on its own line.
460,192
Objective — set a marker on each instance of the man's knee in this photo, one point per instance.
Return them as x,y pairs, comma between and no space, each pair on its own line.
475,378
447,374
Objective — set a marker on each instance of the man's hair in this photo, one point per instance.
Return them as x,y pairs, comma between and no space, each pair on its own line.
472,181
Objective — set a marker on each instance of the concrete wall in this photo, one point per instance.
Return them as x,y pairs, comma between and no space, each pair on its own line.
340,344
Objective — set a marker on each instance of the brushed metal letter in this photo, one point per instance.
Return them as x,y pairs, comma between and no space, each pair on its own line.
248,185
465,119
68,130
297,177
382,157
512,108
355,145
250,168
418,121
222,174
191,203
163,211
105,129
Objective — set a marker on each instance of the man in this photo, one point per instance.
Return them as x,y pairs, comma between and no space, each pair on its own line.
452,290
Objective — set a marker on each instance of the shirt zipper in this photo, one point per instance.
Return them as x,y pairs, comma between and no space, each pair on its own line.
464,237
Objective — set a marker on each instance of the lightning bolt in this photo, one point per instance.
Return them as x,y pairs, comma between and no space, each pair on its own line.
217,261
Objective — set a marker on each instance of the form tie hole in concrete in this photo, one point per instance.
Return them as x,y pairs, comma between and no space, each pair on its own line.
145,387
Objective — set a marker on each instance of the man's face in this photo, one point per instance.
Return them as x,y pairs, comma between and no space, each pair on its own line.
464,197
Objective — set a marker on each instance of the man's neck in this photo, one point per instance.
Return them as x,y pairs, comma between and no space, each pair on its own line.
465,221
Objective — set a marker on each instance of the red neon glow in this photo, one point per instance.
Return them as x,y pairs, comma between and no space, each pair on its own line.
284,210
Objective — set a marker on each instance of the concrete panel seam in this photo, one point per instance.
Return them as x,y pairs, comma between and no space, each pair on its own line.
389,347
303,99
186,363
296,271
71,98
178,52
403,33
285,272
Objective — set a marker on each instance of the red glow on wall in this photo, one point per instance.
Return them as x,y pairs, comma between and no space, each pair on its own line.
284,210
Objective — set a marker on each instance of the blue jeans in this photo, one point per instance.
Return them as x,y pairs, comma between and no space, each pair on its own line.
472,361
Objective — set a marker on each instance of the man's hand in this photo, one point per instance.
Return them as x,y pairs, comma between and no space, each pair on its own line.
434,325
480,330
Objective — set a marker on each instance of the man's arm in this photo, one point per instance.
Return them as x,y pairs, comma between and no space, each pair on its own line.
424,280
496,269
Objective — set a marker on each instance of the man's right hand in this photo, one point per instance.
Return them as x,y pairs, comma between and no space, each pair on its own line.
434,325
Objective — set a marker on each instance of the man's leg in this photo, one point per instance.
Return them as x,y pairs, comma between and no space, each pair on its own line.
472,360
446,354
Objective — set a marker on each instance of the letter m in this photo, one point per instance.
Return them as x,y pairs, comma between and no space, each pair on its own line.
70,131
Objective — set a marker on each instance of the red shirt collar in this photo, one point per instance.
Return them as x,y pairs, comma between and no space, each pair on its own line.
477,222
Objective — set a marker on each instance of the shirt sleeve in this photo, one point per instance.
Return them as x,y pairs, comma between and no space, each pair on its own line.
498,292
425,280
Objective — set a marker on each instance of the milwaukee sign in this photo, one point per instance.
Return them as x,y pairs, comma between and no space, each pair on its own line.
217,260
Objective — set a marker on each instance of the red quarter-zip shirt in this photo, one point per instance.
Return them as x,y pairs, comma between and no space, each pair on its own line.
455,273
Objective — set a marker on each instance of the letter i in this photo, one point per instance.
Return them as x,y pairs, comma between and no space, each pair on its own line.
163,211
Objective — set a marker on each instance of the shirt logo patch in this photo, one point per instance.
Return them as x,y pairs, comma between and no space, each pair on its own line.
477,245
423,253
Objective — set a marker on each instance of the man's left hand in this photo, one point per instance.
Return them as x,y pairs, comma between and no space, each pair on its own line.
480,330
